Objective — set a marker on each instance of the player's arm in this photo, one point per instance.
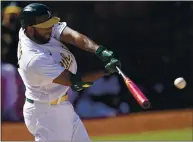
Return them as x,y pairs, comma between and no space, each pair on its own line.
69,79
80,81
66,34
81,41
77,39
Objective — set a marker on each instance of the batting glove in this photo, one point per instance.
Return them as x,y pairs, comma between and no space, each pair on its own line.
111,66
104,54
81,86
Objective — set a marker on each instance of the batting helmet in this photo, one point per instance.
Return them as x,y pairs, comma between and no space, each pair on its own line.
37,15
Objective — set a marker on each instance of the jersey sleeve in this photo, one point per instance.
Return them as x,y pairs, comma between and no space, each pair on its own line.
57,29
45,68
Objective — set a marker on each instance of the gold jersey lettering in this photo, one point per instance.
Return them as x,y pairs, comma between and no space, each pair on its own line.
66,61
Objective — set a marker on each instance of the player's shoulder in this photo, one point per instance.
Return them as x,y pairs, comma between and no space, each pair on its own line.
60,24
58,28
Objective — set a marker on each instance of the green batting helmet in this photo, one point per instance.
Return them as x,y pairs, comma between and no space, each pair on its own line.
37,15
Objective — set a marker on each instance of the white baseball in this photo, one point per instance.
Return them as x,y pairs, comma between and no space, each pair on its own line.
180,83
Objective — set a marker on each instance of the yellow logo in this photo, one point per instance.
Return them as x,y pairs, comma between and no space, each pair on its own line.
66,61
86,85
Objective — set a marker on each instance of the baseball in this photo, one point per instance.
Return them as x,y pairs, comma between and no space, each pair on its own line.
180,83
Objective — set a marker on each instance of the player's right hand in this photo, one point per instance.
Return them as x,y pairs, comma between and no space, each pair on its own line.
111,66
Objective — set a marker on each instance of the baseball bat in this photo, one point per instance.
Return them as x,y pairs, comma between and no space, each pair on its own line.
135,91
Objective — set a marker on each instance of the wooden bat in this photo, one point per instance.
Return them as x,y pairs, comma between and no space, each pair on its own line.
135,91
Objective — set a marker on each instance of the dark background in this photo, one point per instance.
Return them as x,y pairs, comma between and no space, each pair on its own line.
153,41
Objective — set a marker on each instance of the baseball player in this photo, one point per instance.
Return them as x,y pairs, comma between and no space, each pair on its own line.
48,69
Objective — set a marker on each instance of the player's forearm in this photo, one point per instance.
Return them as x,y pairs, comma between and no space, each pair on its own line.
65,78
85,43
92,76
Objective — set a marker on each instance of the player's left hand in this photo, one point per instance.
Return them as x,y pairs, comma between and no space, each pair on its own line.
104,54
111,66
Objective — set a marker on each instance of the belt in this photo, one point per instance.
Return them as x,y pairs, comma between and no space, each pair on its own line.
55,102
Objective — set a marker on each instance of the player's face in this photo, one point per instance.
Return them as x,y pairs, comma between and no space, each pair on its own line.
42,35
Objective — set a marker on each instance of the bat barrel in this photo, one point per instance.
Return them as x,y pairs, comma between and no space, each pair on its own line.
146,104
140,98
137,94
135,91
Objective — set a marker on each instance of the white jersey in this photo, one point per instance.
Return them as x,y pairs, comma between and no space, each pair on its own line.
39,64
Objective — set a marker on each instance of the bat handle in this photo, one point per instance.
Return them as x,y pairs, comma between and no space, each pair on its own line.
121,73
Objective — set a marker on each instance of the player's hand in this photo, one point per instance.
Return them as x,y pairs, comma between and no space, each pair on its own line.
104,54
111,66
81,86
